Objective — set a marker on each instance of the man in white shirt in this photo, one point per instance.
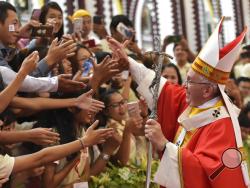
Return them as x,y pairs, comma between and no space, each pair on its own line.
42,84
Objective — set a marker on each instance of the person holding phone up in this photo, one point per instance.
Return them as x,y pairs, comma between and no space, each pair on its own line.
82,26
121,29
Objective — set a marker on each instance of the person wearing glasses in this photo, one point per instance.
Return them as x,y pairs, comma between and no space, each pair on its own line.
126,128
196,123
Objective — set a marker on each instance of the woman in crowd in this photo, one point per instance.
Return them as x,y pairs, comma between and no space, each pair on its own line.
51,14
82,60
132,145
171,72
71,124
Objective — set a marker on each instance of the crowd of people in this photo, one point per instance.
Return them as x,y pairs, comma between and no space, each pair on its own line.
73,103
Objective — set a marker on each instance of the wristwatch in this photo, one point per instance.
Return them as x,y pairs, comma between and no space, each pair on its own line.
105,156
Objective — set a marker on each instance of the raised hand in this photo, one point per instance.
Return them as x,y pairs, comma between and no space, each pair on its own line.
43,136
133,46
136,122
51,22
119,54
65,84
77,37
59,51
143,107
93,137
67,37
29,64
112,144
25,31
105,70
86,102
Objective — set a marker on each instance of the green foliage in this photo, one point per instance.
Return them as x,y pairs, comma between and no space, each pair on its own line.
247,150
132,176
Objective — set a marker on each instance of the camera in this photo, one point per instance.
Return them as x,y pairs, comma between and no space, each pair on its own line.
77,24
42,31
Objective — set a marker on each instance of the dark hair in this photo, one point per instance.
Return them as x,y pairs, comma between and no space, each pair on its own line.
242,79
4,7
120,18
44,12
73,59
105,97
7,116
171,65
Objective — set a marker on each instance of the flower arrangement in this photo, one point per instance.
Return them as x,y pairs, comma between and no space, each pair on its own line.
132,176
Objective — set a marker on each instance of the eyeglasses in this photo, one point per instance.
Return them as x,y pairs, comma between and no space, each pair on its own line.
91,59
187,83
118,104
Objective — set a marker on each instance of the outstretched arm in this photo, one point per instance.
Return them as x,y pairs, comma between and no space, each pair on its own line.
41,136
142,75
54,153
30,84
84,101
9,92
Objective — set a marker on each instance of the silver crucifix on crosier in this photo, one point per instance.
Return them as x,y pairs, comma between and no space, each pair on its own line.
154,89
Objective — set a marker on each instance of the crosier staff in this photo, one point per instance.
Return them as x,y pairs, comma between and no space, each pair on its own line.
154,88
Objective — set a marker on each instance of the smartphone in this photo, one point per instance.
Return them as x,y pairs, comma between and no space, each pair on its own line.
42,31
77,25
98,19
35,14
133,109
87,67
124,30
174,38
89,43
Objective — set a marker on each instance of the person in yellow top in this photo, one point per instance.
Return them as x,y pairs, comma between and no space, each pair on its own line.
132,147
77,168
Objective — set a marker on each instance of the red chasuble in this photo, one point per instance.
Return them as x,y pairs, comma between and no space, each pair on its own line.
201,156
